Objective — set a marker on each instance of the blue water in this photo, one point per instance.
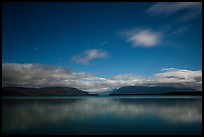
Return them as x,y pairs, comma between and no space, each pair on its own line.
102,115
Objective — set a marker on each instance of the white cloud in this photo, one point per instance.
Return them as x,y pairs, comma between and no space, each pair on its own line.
189,9
143,37
126,77
180,75
37,75
89,55
167,69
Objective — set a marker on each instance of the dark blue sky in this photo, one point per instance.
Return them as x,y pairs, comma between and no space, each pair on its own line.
104,39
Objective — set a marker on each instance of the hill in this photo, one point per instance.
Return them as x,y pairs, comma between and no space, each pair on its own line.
46,91
157,90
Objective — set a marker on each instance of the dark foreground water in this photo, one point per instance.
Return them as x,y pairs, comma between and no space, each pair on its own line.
102,115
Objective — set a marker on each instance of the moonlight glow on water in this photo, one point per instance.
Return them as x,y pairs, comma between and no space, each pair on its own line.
104,115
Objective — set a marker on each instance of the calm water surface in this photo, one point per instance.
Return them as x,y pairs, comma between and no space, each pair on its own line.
102,115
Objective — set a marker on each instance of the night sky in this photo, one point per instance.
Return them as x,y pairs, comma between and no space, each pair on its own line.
101,46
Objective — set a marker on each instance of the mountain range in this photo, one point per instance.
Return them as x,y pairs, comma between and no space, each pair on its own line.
69,91
46,91
150,90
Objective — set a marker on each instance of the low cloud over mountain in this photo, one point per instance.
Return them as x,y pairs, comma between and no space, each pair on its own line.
38,75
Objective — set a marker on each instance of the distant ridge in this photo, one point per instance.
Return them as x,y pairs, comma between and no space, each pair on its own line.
157,90
46,91
69,91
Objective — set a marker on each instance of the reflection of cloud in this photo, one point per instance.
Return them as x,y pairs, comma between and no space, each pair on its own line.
38,114
90,55
38,75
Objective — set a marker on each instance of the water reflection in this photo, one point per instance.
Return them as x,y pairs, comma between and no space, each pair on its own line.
30,114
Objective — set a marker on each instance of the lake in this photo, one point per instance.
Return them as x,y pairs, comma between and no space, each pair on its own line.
102,115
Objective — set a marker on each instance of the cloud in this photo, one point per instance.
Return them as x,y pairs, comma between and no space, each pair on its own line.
182,76
143,37
89,55
188,10
38,75
180,30
104,43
